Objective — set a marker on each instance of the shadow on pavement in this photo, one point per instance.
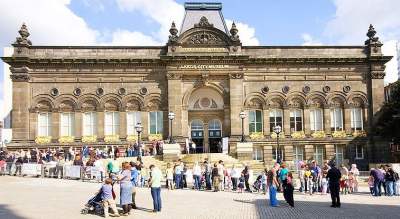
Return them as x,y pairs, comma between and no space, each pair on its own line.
7,213
312,209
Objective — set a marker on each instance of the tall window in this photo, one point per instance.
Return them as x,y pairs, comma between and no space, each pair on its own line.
156,122
255,121
356,119
132,119
275,119
339,154
298,153
337,119
319,154
257,153
275,152
111,123
296,120
44,122
359,152
214,128
89,124
316,118
67,124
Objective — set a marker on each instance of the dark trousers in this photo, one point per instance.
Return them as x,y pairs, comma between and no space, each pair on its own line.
208,181
335,194
178,181
197,182
234,183
156,195
246,183
288,194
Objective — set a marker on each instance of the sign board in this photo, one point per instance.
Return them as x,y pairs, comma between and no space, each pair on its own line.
73,171
95,173
31,169
225,145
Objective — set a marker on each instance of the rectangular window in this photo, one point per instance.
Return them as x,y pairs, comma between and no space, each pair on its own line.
339,154
89,124
275,119
156,122
255,121
359,152
356,119
296,120
67,121
319,154
316,118
111,123
132,119
275,153
337,119
257,153
44,122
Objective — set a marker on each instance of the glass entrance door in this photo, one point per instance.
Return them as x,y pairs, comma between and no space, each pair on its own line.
197,135
214,136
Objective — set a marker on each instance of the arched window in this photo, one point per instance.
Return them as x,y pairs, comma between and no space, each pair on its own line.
296,120
336,119
196,127
214,128
255,121
316,120
275,119
356,119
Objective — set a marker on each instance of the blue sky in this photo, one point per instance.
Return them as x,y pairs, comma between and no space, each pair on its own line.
146,22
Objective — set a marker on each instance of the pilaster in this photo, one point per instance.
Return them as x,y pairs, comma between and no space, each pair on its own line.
327,120
100,125
175,103
306,122
266,125
309,152
55,125
122,125
78,125
286,121
236,102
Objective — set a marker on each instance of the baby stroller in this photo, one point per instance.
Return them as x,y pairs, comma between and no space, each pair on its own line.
94,206
257,184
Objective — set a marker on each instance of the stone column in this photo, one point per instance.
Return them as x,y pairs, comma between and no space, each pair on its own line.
206,146
100,125
122,125
245,124
347,120
185,123
33,125
175,103
227,122
286,121
327,120
236,102
306,121
20,103
330,151
288,153
266,124
78,125
309,152
145,123
55,126
268,154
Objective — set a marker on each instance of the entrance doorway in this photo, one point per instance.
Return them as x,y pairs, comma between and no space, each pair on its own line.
215,136
197,135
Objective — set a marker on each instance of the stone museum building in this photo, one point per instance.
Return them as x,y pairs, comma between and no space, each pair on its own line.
323,97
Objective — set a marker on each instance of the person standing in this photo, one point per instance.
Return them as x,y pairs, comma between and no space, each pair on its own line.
170,177
125,188
356,173
221,168
108,199
155,185
207,174
134,181
215,178
246,175
389,180
197,176
273,185
235,174
178,175
334,177
288,189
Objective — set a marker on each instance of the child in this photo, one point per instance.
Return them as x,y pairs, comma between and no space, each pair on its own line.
241,184
308,176
351,181
371,184
289,190
264,181
170,177
108,198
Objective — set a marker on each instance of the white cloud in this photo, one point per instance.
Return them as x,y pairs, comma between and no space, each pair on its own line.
125,37
309,40
352,19
49,22
246,33
389,48
161,11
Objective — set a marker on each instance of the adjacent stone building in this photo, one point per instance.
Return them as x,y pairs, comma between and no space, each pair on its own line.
323,97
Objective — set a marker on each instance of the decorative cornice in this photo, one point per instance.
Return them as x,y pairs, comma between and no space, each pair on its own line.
174,76
236,76
377,74
19,77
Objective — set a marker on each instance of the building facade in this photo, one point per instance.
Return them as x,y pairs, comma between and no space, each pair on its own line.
323,97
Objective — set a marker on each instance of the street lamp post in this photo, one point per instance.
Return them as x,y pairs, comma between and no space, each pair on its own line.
139,129
278,130
171,117
242,115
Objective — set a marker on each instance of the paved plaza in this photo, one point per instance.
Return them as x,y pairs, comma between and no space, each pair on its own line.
35,198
